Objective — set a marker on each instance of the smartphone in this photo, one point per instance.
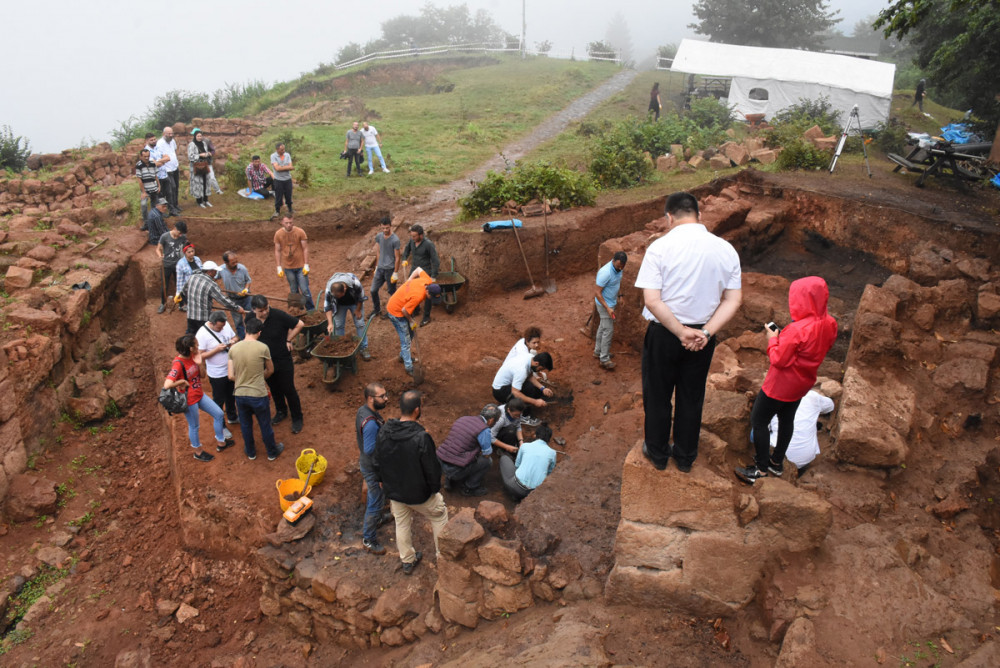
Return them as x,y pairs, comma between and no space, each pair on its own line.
771,326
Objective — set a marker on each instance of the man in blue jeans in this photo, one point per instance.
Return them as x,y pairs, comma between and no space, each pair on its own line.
236,280
291,254
367,422
387,266
249,365
343,294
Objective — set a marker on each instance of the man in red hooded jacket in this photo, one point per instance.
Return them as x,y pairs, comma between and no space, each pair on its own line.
795,354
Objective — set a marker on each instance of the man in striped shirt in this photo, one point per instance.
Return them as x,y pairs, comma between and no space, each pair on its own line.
259,177
145,171
201,289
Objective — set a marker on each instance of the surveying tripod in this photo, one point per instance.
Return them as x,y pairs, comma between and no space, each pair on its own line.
853,121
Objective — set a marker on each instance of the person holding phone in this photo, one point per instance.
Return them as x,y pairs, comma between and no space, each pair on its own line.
215,338
795,354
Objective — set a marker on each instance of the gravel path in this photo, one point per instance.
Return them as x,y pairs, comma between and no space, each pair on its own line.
548,129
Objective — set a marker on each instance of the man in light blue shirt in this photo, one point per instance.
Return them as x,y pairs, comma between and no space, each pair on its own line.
609,280
535,461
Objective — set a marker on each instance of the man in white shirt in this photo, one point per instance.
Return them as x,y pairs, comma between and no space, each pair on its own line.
214,339
371,143
691,285
167,146
804,446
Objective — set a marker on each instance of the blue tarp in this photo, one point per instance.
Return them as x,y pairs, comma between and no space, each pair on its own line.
996,180
957,133
502,225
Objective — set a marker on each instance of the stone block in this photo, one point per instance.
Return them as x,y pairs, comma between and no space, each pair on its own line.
504,554
700,500
499,599
491,515
461,532
498,575
396,603
8,400
875,336
73,307
68,228
722,570
764,156
86,409
18,277
698,162
649,545
825,143
726,414
666,163
790,518
39,321
30,496
677,150
987,302
350,593
324,585
719,162
52,556
879,300
875,417
962,374
454,609
738,154
629,585
815,132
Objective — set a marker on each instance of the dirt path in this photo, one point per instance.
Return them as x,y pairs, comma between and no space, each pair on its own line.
516,150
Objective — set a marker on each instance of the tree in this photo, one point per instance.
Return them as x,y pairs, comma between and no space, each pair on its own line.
601,50
351,51
13,156
437,26
619,37
792,24
956,45
543,47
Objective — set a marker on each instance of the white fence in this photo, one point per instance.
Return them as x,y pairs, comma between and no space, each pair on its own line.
610,56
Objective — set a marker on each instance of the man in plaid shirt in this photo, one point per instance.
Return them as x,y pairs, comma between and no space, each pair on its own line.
259,177
201,289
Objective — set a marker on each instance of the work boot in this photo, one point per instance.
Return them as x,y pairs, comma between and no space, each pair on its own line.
408,567
365,355
163,307
478,491
373,546
296,425
280,447
278,417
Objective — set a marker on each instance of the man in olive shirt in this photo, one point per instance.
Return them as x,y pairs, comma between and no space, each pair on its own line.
280,329
421,252
249,367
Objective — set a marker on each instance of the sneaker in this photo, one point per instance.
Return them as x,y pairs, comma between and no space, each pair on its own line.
408,567
219,192
750,475
280,447
645,453
365,355
373,546
182,308
478,491
203,205
409,371
203,456
251,457
275,216
228,443
529,421
296,425
775,469
208,204
425,322
385,170
609,365
163,307
401,360
370,172
232,420
226,434
597,355
278,417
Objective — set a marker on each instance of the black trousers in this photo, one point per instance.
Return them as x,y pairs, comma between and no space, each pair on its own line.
175,180
169,192
282,386
169,271
765,408
222,395
673,375
353,156
282,189
192,328
471,475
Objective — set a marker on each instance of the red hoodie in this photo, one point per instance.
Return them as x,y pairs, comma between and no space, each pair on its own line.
796,353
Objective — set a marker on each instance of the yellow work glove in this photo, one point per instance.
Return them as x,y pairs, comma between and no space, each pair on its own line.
394,278
305,270
244,292
281,272
177,299
406,263
413,326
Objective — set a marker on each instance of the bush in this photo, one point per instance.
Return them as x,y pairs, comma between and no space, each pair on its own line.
129,129
801,154
807,113
526,182
890,137
707,113
12,155
235,174
178,106
617,159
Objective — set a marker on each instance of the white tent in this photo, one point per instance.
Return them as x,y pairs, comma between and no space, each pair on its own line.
765,81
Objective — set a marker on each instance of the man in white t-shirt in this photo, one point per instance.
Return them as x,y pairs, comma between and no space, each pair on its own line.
372,144
804,446
214,339
691,285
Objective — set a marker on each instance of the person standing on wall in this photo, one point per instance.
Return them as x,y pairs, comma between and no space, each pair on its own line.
167,146
281,163
691,284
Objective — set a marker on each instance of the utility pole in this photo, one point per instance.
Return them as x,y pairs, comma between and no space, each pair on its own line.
524,30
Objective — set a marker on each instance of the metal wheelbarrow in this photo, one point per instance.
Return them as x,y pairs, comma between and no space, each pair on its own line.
314,329
450,282
338,353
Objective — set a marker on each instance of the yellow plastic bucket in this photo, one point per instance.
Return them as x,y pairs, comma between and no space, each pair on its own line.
303,463
290,486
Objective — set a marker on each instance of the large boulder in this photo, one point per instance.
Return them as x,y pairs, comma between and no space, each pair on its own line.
875,418
30,496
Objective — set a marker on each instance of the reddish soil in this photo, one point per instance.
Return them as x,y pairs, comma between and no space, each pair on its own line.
136,549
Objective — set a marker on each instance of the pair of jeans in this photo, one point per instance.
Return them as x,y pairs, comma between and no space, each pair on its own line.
403,330
671,372
194,421
239,321
282,190
374,505
357,312
282,386
222,394
765,408
511,484
472,473
259,407
433,509
378,151
383,276
298,283
354,156
602,341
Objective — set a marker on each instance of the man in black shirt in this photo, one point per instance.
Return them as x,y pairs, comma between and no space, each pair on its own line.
421,252
280,329
171,250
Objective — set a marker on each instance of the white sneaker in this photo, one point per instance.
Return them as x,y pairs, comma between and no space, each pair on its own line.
385,170
226,433
208,204
202,205
219,192
370,172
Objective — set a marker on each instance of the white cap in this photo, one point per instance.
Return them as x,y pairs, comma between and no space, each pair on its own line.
208,265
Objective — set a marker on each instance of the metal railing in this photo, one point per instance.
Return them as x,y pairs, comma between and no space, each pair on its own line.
609,56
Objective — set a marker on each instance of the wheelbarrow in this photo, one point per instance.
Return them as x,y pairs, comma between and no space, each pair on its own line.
338,353
313,330
450,282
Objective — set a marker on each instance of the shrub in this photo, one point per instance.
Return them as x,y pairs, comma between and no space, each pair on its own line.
617,161
178,106
130,129
801,154
526,182
890,137
235,174
807,113
12,155
709,113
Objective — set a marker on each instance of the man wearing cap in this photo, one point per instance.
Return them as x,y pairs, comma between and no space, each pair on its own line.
170,249
343,295
609,281
410,295
201,289
236,281
186,268
214,340
291,254
154,223
168,148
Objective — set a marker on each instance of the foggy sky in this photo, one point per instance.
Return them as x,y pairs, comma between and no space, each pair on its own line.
74,70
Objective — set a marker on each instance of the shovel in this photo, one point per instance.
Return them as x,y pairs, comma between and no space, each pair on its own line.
549,283
418,365
534,291
295,299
